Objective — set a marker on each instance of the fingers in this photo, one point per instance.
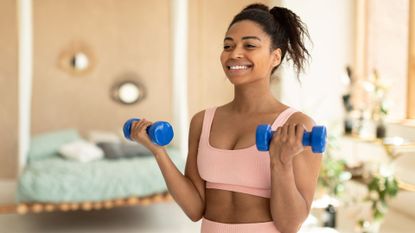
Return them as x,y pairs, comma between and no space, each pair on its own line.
287,142
284,133
133,129
139,127
280,134
289,132
141,124
277,133
299,133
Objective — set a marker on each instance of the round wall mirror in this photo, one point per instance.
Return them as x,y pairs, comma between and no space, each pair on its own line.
128,92
80,61
77,59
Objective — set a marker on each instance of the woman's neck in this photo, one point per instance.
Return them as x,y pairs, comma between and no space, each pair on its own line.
251,98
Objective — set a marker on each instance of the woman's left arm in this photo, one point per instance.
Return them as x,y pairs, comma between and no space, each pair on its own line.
294,174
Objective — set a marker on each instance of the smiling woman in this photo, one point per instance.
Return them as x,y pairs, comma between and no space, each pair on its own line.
228,182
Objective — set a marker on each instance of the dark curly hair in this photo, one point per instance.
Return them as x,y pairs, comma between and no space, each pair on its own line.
285,29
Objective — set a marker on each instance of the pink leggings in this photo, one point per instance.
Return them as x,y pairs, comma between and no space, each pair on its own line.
216,227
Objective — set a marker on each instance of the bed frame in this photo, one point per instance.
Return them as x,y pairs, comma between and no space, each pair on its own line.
25,208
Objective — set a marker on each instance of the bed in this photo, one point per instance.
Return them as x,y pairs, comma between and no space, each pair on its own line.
50,182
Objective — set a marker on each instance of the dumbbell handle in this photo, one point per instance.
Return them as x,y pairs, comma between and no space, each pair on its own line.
316,138
160,132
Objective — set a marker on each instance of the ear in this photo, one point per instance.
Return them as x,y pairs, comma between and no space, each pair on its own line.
276,57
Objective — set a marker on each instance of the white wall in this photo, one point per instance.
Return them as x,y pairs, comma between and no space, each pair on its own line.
331,27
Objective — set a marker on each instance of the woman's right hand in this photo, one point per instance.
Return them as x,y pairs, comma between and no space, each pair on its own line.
140,135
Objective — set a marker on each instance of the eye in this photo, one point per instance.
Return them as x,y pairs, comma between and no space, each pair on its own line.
250,46
226,47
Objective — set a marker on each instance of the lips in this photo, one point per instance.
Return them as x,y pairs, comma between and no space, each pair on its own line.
239,67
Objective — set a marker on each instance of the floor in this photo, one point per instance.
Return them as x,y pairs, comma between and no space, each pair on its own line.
157,218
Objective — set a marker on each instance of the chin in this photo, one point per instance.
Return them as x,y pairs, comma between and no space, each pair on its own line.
241,80
238,82
236,79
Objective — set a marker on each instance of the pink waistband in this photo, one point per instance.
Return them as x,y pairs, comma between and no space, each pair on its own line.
209,226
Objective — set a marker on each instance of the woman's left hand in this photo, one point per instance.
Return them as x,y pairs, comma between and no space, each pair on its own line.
286,143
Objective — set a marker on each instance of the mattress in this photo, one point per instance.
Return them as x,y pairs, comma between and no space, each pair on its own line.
56,180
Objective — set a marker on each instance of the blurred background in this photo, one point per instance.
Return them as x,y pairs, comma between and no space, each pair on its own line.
73,71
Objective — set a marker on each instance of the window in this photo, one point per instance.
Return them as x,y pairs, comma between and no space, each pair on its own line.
386,43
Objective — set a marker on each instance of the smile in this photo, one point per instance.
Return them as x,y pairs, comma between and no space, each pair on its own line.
239,67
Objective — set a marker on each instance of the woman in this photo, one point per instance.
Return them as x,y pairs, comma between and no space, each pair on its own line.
228,183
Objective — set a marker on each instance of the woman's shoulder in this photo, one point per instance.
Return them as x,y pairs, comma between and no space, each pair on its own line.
299,117
197,118
196,125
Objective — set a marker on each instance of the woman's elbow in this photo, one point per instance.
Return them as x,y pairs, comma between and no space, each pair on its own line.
193,210
287,228
195,217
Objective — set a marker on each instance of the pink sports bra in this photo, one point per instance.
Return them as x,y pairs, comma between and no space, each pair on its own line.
245,170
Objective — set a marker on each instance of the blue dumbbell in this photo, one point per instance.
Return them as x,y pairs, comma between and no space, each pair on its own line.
160,132
316,138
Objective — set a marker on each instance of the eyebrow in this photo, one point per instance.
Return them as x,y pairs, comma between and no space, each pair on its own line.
244,38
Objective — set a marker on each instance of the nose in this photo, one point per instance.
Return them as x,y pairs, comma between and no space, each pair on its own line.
237,52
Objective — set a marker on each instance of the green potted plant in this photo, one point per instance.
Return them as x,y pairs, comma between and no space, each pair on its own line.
381,188
333,173
331,181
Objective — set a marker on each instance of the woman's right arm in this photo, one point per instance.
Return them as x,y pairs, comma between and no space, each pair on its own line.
188,189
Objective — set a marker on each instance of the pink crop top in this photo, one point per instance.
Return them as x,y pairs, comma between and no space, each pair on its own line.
245,170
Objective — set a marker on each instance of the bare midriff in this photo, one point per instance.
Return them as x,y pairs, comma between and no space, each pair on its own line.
232,207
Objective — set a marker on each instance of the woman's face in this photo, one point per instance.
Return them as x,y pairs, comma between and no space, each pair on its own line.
247,54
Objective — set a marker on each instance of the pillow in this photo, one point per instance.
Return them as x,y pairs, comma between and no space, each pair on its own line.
136,149
117,150
111,150
46,145
96,136
81,151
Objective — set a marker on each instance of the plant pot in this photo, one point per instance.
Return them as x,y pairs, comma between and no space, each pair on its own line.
371,226
380,130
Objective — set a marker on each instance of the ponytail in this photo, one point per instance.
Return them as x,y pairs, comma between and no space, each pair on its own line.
295,32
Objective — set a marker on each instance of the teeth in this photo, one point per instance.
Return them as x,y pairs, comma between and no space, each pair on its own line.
238,67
